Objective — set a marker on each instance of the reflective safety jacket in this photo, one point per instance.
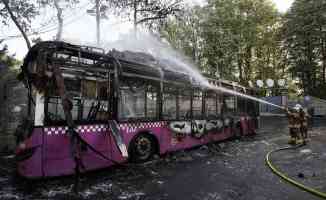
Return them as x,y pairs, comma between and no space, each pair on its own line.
303,118
294,119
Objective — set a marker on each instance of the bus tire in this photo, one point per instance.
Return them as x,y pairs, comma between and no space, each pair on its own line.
142,147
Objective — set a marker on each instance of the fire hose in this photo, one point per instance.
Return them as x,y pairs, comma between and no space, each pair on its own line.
288,179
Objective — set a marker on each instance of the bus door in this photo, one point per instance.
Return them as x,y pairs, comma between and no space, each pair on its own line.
117,148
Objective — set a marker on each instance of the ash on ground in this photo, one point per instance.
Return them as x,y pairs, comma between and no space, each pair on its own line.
228,170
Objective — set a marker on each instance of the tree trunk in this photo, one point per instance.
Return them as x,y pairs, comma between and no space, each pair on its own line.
14,19
60,20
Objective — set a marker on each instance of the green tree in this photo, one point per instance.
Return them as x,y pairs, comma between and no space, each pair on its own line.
21,12
305,39
7,61
148,12
184,34
240,38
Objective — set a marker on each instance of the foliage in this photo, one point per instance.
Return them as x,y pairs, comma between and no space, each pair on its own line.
185,34
148,12
20,12
232,39
24,10
7,61
304,34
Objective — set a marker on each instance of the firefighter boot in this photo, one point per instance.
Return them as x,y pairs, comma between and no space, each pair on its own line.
292,141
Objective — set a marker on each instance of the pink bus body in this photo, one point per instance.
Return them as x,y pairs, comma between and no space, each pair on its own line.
46,152
52,154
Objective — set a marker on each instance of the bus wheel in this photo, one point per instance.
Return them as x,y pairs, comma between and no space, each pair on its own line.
142,148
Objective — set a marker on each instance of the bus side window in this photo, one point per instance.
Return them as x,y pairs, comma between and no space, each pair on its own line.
210,105
229,103
103,97
184,104
103,93
132,100
89,96
197,104
151,102
169,103
55,111
240,102
219,101
241,105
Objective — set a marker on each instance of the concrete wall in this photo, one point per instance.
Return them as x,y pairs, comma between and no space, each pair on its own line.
13,108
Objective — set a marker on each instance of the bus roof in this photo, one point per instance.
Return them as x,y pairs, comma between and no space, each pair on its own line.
133,64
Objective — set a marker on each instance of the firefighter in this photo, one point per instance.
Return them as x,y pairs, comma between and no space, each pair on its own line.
304,116
294,124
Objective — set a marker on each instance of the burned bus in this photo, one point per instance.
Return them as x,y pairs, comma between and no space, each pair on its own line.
89,109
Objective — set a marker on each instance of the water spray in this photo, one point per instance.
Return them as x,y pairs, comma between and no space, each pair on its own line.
239,94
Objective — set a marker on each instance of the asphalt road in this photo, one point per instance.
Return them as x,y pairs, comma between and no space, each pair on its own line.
230,170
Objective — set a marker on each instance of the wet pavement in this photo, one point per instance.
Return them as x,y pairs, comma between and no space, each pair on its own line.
227,170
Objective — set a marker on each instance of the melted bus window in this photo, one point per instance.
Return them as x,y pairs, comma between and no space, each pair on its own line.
55,111
229,101
197,105
241,102
211,104
132,99
151,102
95,100
138,100
170,103
229,104
184,104
87,101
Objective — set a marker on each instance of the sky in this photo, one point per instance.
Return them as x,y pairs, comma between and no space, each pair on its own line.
283,5
79,27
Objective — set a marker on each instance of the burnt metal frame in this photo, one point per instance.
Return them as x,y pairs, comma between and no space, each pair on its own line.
121,68
52,48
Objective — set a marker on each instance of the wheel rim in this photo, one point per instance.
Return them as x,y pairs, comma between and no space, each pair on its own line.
143,148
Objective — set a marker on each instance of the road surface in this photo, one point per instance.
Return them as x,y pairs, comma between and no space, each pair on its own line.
230,170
